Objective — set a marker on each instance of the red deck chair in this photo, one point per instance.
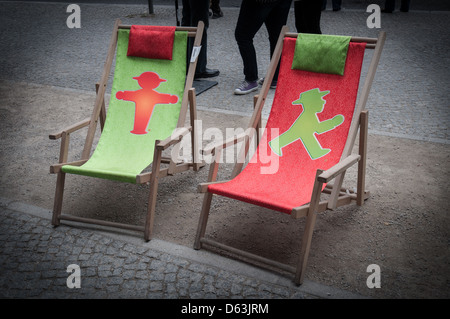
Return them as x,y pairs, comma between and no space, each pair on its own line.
310,133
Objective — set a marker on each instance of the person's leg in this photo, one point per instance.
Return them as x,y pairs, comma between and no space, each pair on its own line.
389,6
274,22
186,13
199,11
186,22
300,16
315,13
215,7
307,16
336,5
250,20
404,6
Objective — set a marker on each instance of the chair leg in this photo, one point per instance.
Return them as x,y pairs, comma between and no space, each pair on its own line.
364,123
306,245
196,164
309,229
153,192
59,192
259,125
151,210
203,220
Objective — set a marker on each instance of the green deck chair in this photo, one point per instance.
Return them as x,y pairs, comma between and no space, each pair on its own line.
146,115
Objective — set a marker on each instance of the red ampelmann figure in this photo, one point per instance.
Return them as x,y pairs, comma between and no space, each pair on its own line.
145,100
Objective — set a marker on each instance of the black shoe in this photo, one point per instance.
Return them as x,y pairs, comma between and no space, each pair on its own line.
208,73
217,14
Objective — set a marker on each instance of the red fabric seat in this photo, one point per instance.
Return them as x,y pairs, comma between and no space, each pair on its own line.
284,182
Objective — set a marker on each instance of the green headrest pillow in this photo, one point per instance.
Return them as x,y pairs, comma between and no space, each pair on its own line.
320,53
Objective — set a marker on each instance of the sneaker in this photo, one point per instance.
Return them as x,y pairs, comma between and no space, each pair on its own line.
246,87
273,85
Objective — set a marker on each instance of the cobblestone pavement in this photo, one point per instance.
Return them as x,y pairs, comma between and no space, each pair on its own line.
34,259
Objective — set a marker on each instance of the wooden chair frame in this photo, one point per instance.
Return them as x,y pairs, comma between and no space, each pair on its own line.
339,196
99,114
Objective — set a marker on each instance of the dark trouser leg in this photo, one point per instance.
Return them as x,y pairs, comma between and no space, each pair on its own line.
276,19
250,20
307,16
389,5
193,12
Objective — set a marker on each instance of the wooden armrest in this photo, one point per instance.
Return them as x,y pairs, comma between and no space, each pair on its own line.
176,137
337,169
221,145
203,187
56,168
71,129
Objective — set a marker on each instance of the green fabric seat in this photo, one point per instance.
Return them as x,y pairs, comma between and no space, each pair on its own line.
121,155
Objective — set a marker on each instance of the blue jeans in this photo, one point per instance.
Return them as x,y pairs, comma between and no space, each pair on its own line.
252,16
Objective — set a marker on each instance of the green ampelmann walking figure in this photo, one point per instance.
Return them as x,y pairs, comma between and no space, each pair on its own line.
307,125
